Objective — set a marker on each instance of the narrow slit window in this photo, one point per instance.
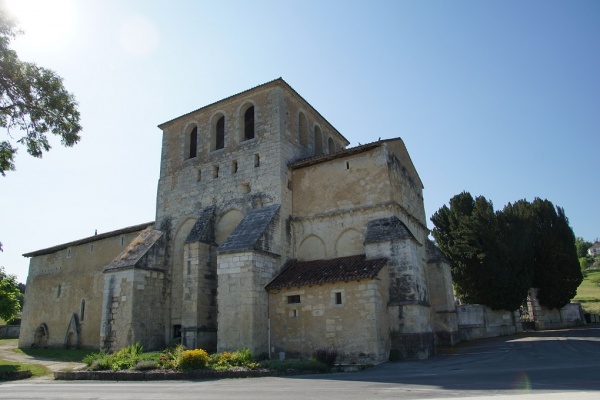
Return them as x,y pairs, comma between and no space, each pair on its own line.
215,171
82,311
256,161
58,291
249,123
234,167
199,176
347,165
68,253
122,240
338,297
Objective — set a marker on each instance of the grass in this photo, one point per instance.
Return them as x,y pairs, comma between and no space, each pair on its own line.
36,370
68,355
588,293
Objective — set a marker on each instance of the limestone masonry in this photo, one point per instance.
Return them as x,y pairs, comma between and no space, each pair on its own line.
270,234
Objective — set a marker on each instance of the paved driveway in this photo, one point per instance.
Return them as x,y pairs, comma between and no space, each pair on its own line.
551,365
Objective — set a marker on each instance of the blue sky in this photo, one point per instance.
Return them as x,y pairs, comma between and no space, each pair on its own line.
499,98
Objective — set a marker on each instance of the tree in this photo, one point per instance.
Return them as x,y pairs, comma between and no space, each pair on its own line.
487,250
10,296
33,101
497,256
582,247
557,272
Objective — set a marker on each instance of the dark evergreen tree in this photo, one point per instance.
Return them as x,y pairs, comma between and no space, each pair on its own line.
557,272
487,250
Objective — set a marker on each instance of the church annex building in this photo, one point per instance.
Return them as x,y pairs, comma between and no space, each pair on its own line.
269,234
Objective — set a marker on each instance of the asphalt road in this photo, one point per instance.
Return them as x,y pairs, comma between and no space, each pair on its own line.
549,365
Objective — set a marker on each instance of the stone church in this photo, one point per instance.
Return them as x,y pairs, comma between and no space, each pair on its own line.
270,234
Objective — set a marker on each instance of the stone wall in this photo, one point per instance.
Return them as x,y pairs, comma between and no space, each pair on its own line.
66,282
243,301
358,328
476,321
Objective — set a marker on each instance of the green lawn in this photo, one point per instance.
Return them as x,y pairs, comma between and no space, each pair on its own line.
36,370
589,294
70,355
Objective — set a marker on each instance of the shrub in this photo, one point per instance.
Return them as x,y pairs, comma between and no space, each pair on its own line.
326,356
595,280
171,357
145,365
193,359
226,360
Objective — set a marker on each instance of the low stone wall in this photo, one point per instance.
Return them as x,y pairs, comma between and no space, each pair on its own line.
161,375
476,321
568,316
14,375
10,331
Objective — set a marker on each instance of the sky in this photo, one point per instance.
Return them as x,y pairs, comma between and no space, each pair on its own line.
498,98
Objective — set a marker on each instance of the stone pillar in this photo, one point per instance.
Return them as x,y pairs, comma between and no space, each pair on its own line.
243,300
199,308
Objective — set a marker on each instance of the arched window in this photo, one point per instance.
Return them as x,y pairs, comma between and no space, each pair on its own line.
249,123
318,141
193,142
303,129
220,133
331,145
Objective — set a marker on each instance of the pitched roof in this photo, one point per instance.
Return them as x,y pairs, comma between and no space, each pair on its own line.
89,239
252,233
130,256
278,81
389,228
306,162
343,269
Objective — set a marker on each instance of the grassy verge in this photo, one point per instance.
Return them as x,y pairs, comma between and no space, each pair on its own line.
68,355
588,293
36,370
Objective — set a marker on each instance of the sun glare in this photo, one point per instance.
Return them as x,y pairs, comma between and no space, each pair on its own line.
45,24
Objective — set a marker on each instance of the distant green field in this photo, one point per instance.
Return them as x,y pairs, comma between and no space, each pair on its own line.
589,294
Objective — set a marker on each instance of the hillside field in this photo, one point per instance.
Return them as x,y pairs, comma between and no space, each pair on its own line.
588,293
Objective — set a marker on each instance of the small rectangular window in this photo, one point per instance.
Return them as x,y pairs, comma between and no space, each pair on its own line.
234,167
91,248
68,253
293,299
122,240
199,176
256,160
215,171
338,297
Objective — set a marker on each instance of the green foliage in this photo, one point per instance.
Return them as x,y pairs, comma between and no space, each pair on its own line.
497,256
557,271
487,250
582,247
33,101
227,360
10,296
194,359
595,280
171,357
36,369
126,358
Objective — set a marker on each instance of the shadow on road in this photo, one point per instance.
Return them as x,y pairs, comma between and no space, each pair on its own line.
566,359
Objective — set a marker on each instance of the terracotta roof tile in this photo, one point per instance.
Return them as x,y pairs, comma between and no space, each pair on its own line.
302,273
